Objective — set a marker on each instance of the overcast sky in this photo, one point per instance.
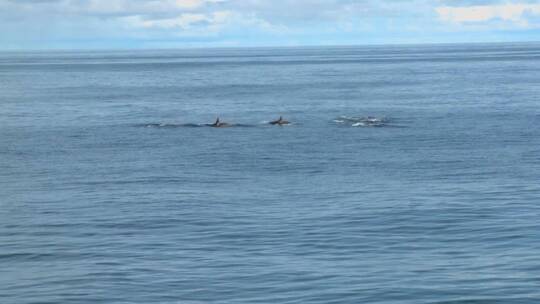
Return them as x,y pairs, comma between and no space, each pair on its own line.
51,24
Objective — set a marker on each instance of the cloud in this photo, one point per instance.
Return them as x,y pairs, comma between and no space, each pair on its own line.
273,11
134,7
38,22
33,1
512,12
186,21
268,16
101,8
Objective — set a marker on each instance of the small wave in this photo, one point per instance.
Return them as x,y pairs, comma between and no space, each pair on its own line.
242,126
190,125
167,125
367,121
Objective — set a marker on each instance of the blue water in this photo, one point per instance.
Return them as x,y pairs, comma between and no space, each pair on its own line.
112,189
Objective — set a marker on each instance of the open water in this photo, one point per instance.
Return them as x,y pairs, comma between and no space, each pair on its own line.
409,174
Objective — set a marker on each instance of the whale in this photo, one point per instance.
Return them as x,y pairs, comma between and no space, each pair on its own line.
279,122
219,124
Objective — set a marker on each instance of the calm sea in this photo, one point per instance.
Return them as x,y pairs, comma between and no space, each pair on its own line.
113,190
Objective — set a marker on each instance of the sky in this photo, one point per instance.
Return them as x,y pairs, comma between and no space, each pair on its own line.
95,24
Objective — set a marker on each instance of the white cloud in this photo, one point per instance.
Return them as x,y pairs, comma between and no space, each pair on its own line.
186,21
190,4
512,12
183,21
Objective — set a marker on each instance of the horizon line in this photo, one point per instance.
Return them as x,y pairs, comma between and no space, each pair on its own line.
270,46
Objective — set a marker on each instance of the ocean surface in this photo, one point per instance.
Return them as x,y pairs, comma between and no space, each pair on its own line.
409,174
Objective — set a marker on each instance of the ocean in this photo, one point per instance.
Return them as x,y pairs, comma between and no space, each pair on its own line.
409,174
